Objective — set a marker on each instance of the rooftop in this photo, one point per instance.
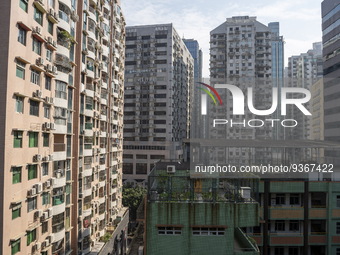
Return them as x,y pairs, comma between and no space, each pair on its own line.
171,181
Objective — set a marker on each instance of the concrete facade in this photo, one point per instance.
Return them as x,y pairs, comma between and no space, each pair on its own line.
60,193
159,79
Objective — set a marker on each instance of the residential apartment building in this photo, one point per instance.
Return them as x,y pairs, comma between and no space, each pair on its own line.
159,78
331,69
184,215
277,60
241,54
99,125
196,53
303,71
317,110
302,216
60,192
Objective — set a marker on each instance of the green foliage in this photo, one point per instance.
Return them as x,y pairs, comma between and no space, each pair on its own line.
105,238
132,197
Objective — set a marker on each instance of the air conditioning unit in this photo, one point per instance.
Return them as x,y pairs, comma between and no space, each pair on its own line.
49,100
52,128
49,68
32,192
54,70
45,243
47,125
171,169
80,195
39,187
80,175
50,238
47,184
58,175
40,61
37,93
37,158
37,30
51,12
82,132
44,216
37,247
50,212
38,214
53,181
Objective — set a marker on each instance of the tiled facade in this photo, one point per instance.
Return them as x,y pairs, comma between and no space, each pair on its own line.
62,129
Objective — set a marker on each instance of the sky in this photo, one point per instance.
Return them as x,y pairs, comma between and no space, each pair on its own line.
300,20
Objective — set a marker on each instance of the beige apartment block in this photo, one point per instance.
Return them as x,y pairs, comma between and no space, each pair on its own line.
62,75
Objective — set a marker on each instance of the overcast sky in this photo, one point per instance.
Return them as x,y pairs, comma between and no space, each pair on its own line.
300,20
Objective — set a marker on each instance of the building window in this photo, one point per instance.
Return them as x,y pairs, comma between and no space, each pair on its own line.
33,139
31,204
31,236
294,251
169,230
38,16
49,58
46,140
23,5
17,135
44,169
279,225
338,228
34,108
16,175
36,46
35,77
19,104
21,35
16,211
50,27
45,197
208,231
32,172
337,201
279,251
15,246
44,227
47,110
280,199
20,72
60,89
294,199
294,225
48,82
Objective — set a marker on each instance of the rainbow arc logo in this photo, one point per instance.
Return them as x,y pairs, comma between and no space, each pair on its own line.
209,90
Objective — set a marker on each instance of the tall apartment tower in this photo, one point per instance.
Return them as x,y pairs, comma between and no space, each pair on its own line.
303,71
97,173
49,205
196,53
241,54
277,46
159,78
331,69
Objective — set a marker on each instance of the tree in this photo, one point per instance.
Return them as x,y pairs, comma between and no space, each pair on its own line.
132,197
